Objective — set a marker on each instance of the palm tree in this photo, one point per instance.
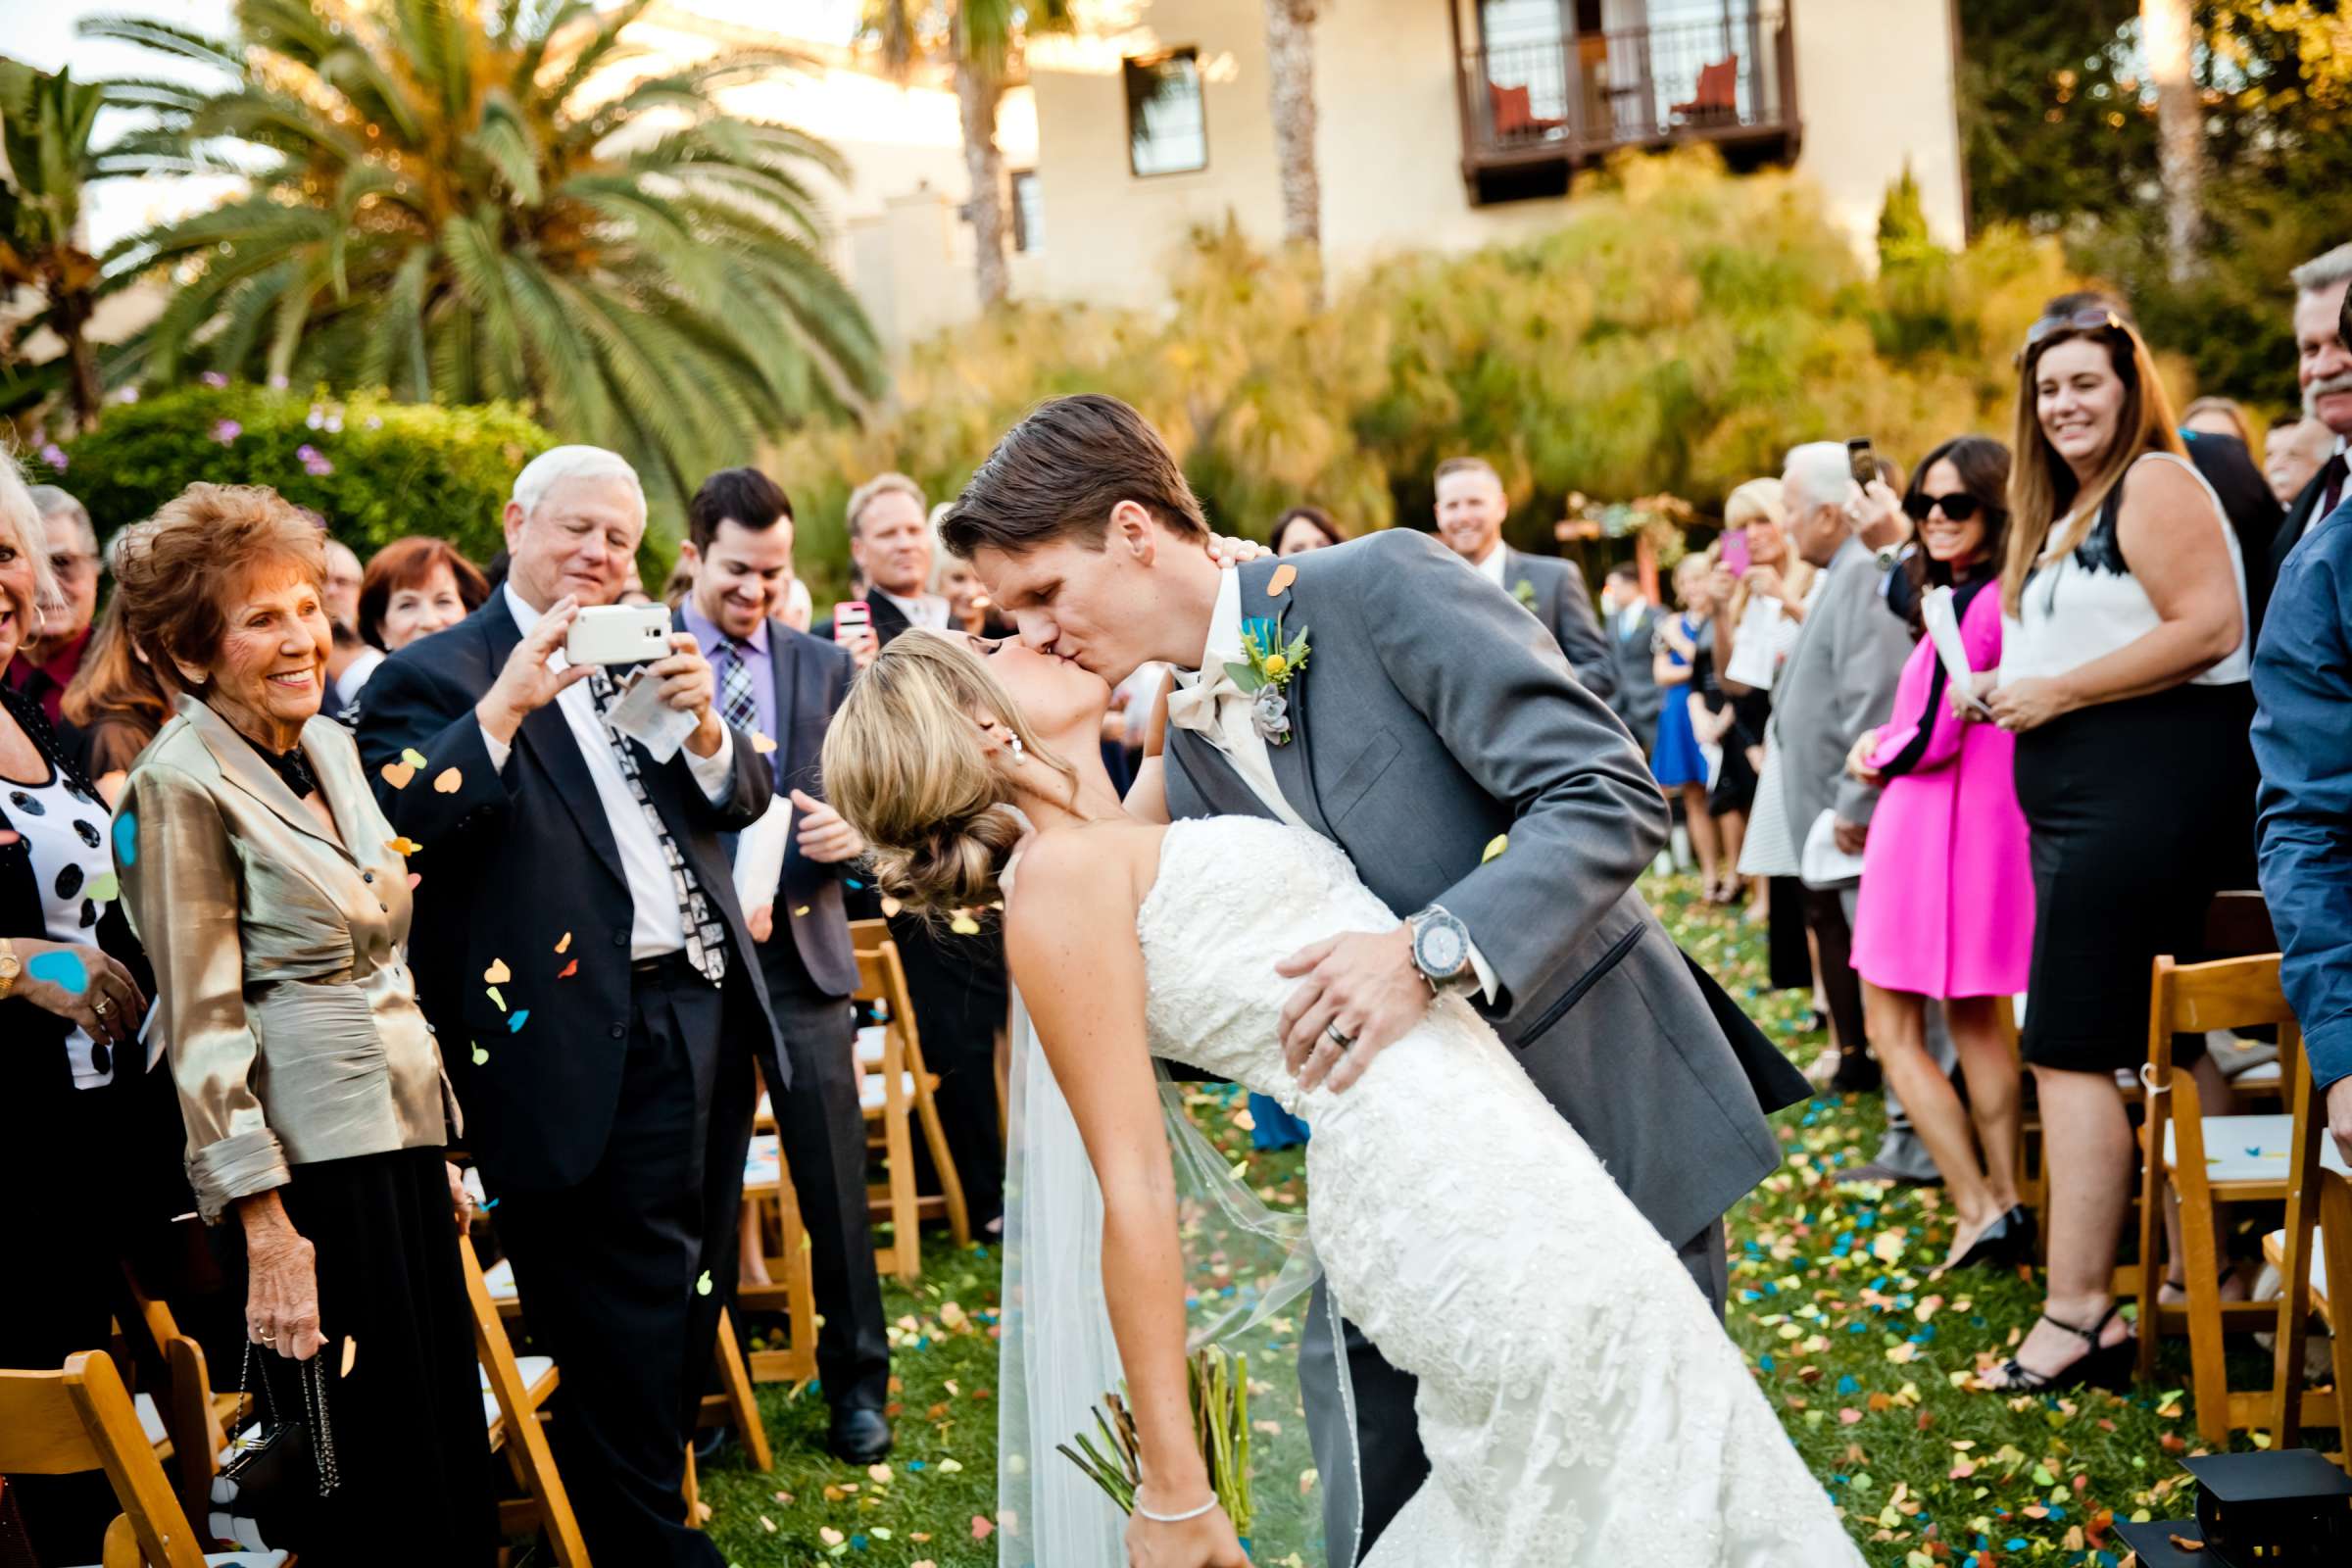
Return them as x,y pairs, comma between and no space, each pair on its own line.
447,201
1290,97
2167,32
45,121
982,41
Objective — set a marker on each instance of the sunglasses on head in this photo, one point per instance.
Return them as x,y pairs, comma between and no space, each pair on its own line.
1959,506
2091,319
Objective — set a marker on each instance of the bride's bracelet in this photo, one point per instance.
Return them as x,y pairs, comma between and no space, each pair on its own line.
1177,1518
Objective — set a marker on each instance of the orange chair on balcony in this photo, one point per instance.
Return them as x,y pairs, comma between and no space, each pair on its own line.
1515,116
1716,101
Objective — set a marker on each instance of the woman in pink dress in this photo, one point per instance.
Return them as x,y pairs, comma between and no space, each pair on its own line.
1946,907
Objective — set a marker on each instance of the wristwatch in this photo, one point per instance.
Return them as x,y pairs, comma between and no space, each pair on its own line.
1441,952
11,966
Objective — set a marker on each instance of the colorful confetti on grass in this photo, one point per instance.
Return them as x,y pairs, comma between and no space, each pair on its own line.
1831,1304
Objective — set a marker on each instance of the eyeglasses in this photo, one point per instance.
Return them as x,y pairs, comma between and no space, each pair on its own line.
1959,506
2092,318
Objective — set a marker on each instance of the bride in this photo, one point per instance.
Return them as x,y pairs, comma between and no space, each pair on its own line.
1578,1402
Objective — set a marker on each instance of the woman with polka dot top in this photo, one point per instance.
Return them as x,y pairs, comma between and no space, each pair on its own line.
74,992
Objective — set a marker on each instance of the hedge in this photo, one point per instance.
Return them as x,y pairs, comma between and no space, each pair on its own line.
374,468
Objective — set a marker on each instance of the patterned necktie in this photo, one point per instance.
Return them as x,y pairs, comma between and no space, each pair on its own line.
736,702
706,932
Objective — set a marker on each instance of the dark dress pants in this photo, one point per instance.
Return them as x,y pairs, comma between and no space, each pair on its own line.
608,1268
1388,1436
821,1133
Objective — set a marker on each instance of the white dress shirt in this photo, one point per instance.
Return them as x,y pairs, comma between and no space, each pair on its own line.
656,928
1491,567
1237,738
924,609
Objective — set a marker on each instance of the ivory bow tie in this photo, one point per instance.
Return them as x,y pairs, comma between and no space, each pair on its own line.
1194,704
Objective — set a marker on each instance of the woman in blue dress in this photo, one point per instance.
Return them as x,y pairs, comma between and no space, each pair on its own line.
1680,767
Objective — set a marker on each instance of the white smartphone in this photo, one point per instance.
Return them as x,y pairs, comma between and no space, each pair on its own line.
617,634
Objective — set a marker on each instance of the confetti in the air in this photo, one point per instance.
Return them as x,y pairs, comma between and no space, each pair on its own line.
446,781
413,756
568,970
402,844
1284,575
518,1019
126,838
498,973
762,744
566,944
61,967
480,1056
1495,845
397,774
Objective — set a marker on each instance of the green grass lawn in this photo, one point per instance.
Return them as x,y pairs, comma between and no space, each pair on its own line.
1832,1306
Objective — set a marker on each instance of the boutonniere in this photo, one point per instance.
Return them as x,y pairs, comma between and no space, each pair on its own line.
1525,592
1267,666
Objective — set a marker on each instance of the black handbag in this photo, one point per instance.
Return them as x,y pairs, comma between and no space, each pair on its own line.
276,1471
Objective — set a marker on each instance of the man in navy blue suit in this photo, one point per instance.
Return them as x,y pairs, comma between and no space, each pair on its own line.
580,954
783,686
2303,689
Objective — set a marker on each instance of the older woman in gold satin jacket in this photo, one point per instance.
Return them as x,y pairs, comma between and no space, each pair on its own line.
273,897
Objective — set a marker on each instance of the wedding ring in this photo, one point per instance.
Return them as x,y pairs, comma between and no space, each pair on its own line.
268,1336
100,1005
1338,1039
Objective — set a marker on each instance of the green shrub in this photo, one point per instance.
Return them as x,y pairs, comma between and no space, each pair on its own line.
1678,334
374,468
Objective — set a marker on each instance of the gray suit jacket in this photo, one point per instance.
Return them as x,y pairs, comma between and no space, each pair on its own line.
1563,605
1635,700
1431,716
1840,681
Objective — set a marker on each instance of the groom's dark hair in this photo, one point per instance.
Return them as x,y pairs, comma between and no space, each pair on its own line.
1060,471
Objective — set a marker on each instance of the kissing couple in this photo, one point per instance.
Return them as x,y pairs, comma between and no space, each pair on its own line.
1530,1111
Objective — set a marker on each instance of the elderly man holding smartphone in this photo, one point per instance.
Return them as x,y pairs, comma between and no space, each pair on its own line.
580,951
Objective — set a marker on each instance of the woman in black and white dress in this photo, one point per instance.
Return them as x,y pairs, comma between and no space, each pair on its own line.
2123,677
73,993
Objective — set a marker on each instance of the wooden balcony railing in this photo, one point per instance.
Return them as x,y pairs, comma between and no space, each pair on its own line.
1580,97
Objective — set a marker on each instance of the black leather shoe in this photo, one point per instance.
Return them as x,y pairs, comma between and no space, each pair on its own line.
859,1436
2004,1244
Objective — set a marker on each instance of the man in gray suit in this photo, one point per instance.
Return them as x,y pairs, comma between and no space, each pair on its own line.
1840,681
1435,722
1471,506
1630,623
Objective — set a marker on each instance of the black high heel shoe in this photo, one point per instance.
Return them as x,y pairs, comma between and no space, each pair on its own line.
2104,1366
2004,1244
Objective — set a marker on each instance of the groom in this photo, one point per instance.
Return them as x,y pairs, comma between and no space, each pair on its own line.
1437,734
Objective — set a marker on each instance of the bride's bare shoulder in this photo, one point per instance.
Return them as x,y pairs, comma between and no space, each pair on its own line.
1099,869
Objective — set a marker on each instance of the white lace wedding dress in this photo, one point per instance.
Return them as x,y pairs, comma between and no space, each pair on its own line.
1579,1402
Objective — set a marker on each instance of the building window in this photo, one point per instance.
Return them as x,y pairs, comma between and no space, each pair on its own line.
1167,131
1028,212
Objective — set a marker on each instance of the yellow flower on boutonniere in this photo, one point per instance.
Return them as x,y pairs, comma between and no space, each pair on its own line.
1267,666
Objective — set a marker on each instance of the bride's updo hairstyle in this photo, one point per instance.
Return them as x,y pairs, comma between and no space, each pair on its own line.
906,765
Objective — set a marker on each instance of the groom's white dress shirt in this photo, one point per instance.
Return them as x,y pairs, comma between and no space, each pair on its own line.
1231,731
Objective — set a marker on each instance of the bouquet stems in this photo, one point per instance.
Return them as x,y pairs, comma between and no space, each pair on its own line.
1218,1385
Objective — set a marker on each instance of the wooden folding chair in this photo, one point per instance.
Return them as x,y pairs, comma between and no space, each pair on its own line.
2208,1161
768,1192
2320,1190
896,1096
81,1418
512,1391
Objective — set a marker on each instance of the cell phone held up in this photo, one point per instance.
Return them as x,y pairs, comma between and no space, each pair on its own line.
1736,559
617,634
1861,460
851,620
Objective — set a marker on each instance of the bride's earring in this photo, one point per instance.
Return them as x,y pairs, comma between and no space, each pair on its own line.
1012,742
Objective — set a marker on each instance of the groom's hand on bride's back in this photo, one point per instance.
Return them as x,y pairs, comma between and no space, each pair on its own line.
1366,984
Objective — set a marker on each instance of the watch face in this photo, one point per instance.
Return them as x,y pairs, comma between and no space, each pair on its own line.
1441,946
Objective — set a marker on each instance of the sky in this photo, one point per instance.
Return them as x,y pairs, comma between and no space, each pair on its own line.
42,32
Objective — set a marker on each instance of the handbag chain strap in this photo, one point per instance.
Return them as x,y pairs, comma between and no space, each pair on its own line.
312,1375
322,1437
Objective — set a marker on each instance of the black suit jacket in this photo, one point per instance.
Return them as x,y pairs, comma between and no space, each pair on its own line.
2298,521
812,675
520,870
